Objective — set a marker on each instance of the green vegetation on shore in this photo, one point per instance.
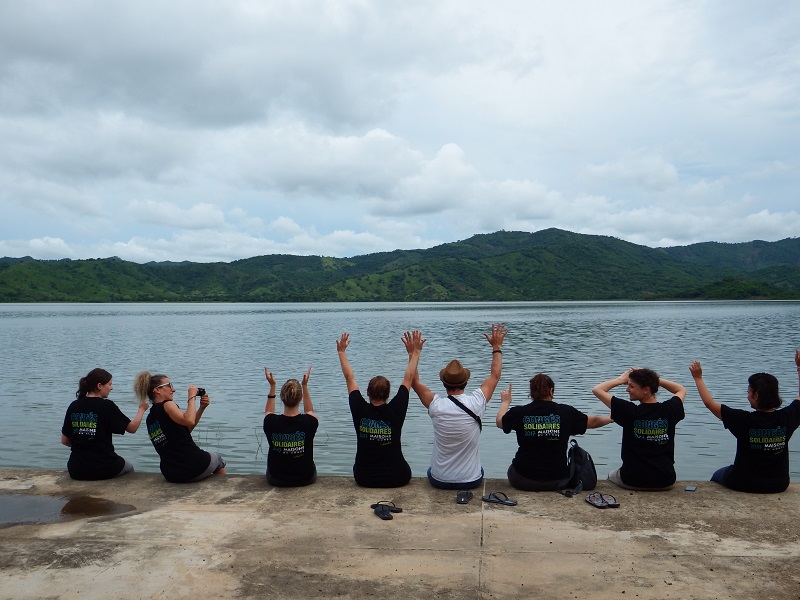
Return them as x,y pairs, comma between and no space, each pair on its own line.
506,265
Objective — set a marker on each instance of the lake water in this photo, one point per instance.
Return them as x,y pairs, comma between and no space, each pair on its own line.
46,348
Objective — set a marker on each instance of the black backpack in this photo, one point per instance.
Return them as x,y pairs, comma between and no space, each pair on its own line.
582,474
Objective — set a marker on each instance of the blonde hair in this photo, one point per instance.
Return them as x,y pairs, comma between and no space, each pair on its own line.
145,383
291,393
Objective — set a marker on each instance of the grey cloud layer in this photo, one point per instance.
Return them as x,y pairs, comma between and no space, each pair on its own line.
343,128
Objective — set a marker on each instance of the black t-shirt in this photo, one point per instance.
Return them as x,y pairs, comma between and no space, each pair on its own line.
762,447
89,423
543,429
648,441
181,459
379,456
291,447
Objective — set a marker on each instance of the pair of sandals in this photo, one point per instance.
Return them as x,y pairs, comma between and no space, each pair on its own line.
385,508
599,500
493,498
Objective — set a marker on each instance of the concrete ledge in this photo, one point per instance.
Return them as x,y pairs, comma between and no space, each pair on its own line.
237,537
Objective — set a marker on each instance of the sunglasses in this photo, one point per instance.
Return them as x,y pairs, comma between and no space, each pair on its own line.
165,385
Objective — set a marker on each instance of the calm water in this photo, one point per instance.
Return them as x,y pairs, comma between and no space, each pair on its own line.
223,347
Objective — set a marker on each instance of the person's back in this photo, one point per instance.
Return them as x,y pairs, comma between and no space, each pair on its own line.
762,435
378,421
543,430
181,460
290,459
456,417
379,456
456,437
648,441
89,423
762,447
648,428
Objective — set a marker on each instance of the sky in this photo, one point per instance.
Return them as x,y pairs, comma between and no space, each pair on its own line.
212,131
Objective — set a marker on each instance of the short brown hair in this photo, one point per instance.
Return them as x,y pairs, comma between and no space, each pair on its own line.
378,388
646,378
542,387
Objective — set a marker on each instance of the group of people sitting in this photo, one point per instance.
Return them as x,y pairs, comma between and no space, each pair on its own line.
542,426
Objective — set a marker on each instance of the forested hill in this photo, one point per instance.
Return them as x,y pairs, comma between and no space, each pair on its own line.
506,265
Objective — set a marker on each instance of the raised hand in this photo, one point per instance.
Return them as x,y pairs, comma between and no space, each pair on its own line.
696,369
413,341
269,376
498,335
505,395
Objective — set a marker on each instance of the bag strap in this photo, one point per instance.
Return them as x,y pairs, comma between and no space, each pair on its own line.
573,467
468,411
571,453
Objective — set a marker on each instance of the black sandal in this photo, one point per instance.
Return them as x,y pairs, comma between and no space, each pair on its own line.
385,508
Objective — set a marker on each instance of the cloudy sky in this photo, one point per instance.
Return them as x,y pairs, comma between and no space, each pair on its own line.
207,131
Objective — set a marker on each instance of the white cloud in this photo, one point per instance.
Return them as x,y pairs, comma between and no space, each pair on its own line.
348,127
167,214
651,173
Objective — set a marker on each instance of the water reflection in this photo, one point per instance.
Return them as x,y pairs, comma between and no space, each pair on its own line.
30,509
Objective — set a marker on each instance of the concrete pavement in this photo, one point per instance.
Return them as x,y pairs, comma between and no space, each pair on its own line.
237,537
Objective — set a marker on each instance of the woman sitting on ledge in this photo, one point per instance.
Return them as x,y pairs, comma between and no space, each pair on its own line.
379,423
90,420
762,435
648,429
290,460
170,430
543,428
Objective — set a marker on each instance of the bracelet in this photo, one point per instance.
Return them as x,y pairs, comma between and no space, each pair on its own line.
497,351
270,396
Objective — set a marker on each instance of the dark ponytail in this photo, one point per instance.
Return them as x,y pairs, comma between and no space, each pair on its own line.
93,378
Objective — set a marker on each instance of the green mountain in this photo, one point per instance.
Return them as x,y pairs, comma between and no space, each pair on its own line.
506,265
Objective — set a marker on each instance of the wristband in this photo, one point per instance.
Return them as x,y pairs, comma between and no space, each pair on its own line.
270,396
497,351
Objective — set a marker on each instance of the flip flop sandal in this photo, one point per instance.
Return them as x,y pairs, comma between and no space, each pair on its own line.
463,497
389,503
499,498
610,501
596,500
385,508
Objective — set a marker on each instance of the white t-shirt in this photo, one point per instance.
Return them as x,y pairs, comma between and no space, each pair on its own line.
456,438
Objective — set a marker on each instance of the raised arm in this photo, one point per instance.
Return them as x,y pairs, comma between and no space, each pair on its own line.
676,389
188,418
797,362
349,377
423,391
204,402
496,339
603,390
307,407
190,414
133,426
596,421
413,341
697,374
270,407
505,404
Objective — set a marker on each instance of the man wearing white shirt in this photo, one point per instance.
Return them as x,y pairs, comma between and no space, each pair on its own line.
456,463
